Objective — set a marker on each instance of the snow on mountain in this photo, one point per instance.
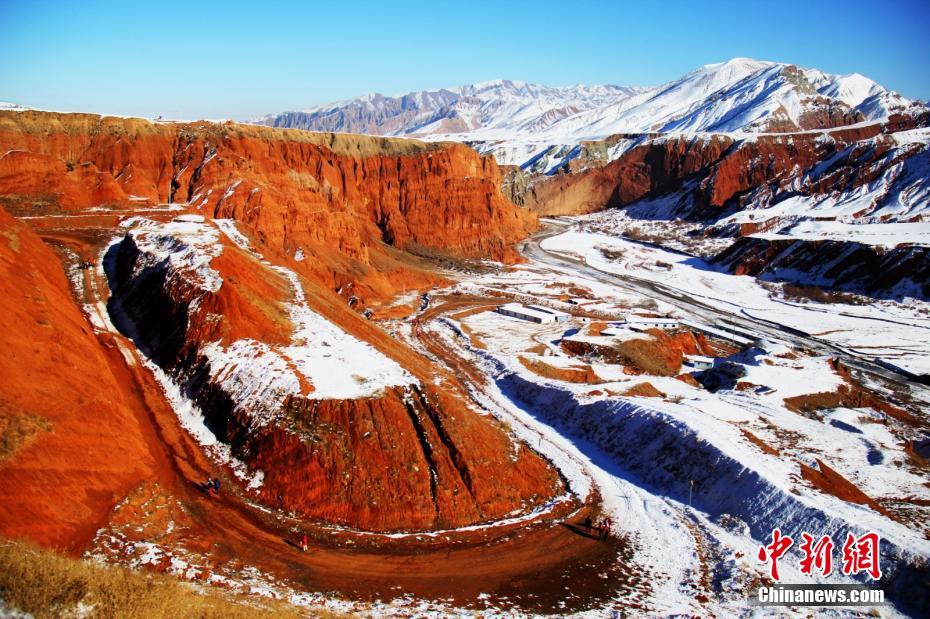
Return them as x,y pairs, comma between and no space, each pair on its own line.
12,107
520,123
507,106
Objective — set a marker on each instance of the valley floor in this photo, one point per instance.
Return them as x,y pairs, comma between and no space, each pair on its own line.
693,473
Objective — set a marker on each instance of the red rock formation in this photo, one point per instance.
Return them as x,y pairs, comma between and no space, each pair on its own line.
720,171
344,201
406,460
407,457
659,354
577,374
834,265
76,444
649,168
827,480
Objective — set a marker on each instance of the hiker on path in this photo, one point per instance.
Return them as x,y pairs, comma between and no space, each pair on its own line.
303,543
588,523
605,529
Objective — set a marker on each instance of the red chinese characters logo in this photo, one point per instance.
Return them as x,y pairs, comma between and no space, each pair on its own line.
773,552
817,556
860,554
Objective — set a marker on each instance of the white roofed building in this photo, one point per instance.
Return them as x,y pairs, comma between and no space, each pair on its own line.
641,323
516,310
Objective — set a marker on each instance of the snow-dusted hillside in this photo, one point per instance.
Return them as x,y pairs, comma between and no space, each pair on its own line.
518,122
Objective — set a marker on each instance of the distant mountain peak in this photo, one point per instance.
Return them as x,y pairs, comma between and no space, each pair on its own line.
517,120
8,105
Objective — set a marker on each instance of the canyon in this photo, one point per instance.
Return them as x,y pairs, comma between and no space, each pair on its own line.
735,267
338,211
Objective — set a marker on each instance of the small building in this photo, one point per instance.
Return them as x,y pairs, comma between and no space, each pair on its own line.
699,362
641,323
559,316
516,310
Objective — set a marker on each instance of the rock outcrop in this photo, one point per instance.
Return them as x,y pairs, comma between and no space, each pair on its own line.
399,455
711,174
833,265
343,203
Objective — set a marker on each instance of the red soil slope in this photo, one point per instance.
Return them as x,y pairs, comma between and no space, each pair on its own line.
86,448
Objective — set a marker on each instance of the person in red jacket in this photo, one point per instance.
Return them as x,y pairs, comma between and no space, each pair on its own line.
303,543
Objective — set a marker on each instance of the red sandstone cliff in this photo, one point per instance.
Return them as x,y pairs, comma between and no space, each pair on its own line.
345,201
339,211
402,457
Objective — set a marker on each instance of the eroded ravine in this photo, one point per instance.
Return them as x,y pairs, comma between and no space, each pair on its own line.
453,565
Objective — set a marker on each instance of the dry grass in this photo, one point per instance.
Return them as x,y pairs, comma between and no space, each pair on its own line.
18,429
612,253
640,356
643,390
582,375
638,234
46,584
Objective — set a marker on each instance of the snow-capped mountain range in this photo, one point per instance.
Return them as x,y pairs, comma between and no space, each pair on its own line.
515,120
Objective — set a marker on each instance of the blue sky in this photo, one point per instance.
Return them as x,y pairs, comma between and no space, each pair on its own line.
239,60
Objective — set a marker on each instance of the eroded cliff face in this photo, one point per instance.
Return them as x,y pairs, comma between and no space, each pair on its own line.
341,203
836,265
711,174
338,421
650,168
360,442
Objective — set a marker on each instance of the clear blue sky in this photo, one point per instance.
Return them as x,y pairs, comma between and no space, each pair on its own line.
239,60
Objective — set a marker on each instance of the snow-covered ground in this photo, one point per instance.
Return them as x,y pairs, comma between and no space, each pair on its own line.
896,332
683,475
